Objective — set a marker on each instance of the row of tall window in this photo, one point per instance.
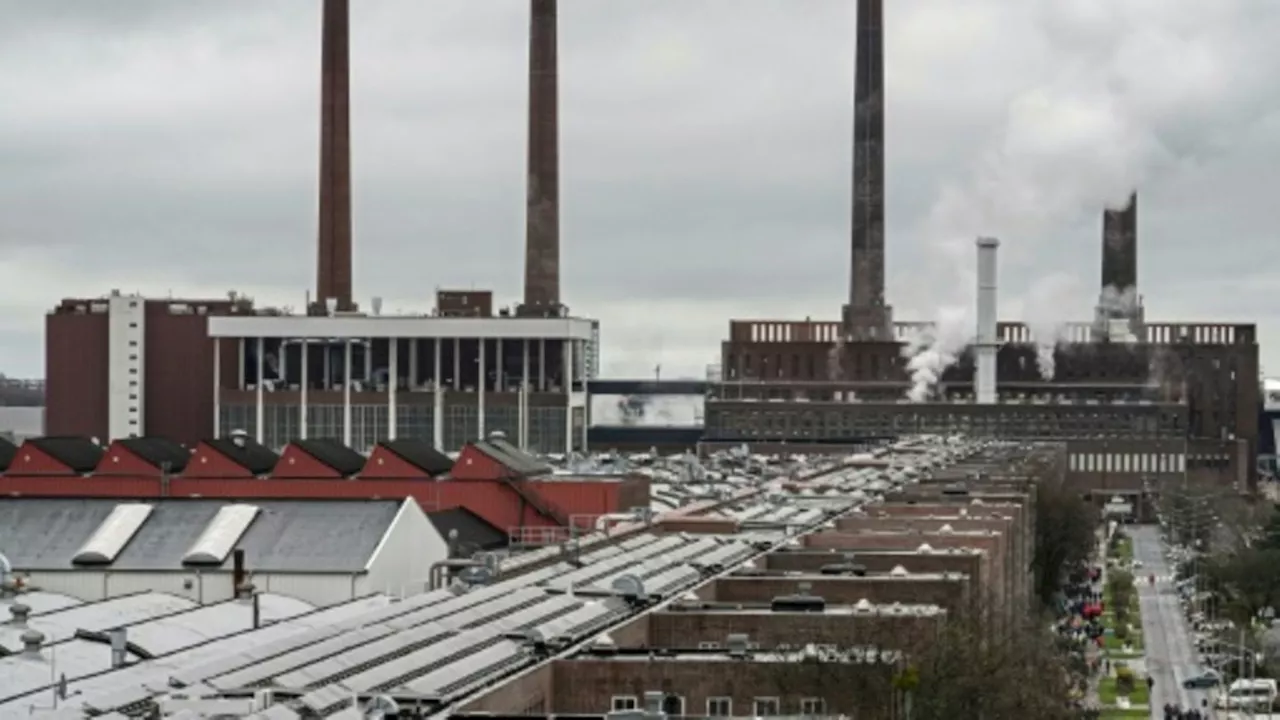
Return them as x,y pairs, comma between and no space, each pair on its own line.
369,424
1127,462
1029,423
722,706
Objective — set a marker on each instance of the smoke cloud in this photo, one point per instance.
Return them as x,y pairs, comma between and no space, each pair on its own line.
1109,117
1047,313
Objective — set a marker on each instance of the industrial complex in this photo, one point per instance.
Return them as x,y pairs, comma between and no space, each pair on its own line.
240,511
160,607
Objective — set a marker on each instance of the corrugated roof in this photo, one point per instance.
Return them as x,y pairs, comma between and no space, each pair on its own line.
39,601
190,636
420,454
79,454
63,624
164,635
247,453
333,453
286,536
518,462
158,451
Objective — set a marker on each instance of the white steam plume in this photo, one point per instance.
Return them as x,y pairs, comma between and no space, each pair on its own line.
936,348
1132,90
1047,314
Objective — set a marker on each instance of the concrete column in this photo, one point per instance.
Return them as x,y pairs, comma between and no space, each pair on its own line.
480,367
260,412
413,365
499,381
542,365
523,408
457,364
283,365
568,396
217,387
302,397
438,413
346,393
368,363
327,384
393,370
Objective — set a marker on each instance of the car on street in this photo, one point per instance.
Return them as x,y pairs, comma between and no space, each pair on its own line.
1203,681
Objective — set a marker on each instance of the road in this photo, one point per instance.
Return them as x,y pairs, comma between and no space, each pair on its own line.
1171,656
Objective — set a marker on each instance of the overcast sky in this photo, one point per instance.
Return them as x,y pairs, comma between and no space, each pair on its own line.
171,147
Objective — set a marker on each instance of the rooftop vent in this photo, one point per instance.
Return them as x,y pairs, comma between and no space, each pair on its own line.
924,548
603,644
630,587
899,571
946,529
798,603
736,643
863,607
18,614
31,641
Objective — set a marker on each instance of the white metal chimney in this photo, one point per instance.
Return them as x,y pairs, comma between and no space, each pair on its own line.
987,344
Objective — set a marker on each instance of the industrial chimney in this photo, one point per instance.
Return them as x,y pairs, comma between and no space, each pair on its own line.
866,316
986,345
333,267
542,211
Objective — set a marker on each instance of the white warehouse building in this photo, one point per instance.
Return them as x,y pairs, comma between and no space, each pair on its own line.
320,551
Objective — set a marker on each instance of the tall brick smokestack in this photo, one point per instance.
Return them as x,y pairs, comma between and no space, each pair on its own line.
867,317
1120,315
1120,246
333,271
542,213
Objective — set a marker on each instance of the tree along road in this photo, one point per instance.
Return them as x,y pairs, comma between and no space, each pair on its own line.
1171,656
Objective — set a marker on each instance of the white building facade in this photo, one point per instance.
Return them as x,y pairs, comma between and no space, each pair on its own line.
126,353
363,379
184,548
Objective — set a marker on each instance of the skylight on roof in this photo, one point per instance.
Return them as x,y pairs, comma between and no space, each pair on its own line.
113,534
221,535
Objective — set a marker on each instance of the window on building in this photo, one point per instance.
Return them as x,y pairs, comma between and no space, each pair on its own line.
705,645
624,702
767,707
719,707
813,706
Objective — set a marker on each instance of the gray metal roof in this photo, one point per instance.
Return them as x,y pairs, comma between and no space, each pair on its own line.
439,644
39,601
189,637
63,624
287,536
77,657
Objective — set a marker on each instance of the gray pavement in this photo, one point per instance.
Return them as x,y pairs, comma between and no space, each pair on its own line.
1171,656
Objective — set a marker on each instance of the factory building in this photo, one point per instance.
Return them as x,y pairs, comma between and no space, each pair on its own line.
1137,402
447,378
126,366
770,600
201,550
523,499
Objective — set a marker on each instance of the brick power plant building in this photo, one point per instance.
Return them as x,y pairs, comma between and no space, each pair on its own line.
125,366
1137,402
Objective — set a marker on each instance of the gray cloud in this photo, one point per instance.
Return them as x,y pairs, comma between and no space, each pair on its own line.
166,146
